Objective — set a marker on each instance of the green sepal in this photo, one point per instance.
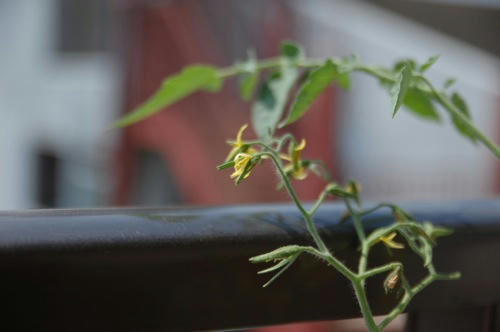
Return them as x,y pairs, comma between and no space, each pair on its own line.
278,254
274,267
289,263
225,165
435,231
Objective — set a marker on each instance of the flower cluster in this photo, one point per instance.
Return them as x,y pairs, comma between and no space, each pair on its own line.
243,157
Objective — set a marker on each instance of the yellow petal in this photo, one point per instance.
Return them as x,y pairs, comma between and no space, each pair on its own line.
300,174
296,151
231,153
301,146
285,157
240,133
240,162
237,144
388,241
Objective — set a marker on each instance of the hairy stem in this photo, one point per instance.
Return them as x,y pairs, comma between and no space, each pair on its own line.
309,223
364,306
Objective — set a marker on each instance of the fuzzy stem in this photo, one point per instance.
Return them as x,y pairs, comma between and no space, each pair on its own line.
309,223
364,306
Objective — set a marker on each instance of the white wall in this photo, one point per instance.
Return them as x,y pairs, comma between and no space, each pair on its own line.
49,100
405,157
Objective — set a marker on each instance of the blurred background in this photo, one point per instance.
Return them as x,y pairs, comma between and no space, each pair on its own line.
69,68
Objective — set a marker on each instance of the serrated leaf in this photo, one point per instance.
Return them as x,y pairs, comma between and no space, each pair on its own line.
271,100
191,79
316,82
462,127
291,50
420,104
427,64
400,87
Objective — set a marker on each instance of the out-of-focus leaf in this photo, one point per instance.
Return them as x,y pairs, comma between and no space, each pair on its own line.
250,76
271,100
420,104
449,82
316,82
247,85
291,50
400,87
427,64
410,63
189,80
461,126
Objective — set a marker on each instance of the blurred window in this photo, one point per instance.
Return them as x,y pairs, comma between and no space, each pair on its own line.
83,26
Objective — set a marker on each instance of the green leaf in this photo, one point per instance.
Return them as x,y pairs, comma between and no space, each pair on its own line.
400,87
428,63
291,50
420,104
449,82
271,100
249,77
247,85
398,66
174,88
316,82
461,126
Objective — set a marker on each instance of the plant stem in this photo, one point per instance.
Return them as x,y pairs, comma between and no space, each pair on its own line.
454,111
364,306
309,223
261,65
380,269
318,203
356,220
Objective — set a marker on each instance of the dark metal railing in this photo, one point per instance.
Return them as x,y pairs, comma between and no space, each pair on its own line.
178,269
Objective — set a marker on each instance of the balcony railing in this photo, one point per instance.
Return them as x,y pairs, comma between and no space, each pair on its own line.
178,269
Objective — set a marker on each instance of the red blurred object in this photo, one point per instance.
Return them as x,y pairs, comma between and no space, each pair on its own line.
190,135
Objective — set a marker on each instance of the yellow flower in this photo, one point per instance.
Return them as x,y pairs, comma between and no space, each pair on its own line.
295,168
388,241
238,144
240,163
